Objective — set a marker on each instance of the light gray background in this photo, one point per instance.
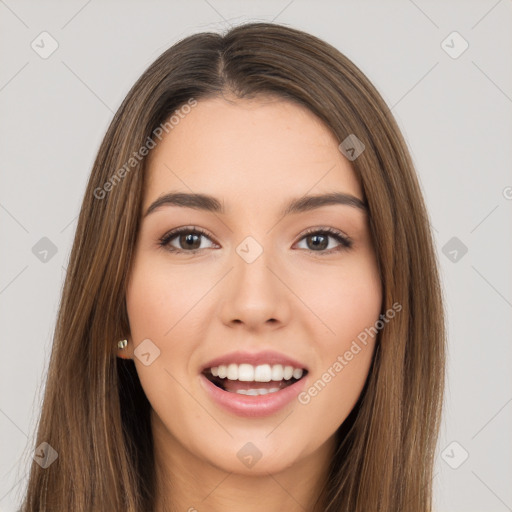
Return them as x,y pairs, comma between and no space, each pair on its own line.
455,114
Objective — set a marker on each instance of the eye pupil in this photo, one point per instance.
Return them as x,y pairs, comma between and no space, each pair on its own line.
188,240
316,244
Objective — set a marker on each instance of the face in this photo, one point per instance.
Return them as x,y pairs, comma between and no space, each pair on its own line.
220,309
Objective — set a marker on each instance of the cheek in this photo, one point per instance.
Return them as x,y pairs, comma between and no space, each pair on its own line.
345,300
162,307
160,300
348,303
160,304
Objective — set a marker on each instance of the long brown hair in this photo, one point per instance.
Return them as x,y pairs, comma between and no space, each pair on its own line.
95,413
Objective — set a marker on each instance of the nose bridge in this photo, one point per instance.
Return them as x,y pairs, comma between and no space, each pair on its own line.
252,263
254,294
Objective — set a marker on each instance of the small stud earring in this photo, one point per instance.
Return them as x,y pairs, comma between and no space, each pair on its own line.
122,344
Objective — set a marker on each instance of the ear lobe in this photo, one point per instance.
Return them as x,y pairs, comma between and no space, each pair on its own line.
122,349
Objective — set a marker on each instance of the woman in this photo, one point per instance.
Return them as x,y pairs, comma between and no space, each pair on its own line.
294,358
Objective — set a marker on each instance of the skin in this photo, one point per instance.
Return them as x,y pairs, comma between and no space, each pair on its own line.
292,298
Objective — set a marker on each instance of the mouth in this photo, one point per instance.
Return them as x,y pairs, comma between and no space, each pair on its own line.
246,379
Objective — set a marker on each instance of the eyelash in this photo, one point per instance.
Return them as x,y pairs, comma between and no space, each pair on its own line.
345,242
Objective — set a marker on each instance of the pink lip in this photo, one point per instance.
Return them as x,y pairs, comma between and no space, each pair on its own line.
264,357
253,406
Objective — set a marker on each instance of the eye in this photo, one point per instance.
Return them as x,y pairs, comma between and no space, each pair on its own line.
317,240
188,239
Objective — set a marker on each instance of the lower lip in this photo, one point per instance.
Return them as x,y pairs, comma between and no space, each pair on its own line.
253,406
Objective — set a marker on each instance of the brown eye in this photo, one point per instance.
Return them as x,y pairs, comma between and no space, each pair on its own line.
317,240
187,240
190,241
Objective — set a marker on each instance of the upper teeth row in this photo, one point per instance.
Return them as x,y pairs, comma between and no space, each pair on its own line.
261,373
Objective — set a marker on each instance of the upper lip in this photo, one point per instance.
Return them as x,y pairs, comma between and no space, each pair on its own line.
255,358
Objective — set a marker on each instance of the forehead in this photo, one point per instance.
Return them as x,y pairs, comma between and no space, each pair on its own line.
248,150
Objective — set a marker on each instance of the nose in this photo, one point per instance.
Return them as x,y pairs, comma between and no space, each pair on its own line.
255,295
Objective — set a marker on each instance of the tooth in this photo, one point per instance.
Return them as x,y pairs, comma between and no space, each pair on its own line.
255,392
277,372
246,373
232,371
297,373
267,391
262,373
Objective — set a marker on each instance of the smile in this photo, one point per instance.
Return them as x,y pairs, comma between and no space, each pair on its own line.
253,391
247,379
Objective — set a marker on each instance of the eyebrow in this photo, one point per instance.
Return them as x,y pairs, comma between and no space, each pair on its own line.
211,204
